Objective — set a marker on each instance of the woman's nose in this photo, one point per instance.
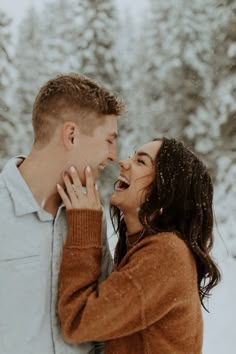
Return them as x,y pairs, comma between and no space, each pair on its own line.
125,164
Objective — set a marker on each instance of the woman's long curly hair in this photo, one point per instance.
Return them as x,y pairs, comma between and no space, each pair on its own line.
178,200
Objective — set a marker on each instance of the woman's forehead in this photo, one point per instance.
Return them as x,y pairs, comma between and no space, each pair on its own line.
151,148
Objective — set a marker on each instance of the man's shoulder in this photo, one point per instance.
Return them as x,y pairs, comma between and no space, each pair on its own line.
2,184
9,171
6,205
5,197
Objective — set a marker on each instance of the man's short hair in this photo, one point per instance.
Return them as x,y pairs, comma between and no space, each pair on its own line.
71,97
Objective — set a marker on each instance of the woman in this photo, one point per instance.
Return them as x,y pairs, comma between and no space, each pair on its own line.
151,303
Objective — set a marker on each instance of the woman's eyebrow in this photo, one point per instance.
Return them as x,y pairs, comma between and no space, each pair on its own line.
142,153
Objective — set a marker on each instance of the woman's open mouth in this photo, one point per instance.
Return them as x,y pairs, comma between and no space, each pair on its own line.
121,184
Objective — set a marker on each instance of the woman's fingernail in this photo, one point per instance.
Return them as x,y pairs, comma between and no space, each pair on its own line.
72,169
88,169
58,186
96,186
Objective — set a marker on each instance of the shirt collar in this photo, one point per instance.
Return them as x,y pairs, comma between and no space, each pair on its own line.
22,197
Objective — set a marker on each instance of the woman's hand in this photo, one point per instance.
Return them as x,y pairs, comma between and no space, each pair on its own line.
75,197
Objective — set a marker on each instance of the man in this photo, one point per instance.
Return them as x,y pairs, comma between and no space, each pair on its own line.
75,124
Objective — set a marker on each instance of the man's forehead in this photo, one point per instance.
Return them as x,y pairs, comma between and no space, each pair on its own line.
109,125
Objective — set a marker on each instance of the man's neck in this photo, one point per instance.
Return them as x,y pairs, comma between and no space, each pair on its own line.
41,175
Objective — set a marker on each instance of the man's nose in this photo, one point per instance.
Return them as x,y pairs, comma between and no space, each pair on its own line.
112,152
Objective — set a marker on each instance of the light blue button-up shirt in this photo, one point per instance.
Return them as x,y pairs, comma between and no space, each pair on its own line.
31,243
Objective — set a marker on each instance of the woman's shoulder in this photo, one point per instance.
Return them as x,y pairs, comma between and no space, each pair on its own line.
165,251
164,239
165,244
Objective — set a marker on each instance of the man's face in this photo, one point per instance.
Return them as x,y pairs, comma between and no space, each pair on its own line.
96,149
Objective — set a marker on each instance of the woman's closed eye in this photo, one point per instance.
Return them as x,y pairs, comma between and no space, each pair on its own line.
141,161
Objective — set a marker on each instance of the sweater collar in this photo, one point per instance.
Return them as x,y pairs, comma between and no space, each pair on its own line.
133,239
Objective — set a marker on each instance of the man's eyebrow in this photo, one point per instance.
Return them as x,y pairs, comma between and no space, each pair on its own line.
142,153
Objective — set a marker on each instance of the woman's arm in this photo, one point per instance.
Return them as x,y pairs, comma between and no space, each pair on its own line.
89,311
131,298
148,286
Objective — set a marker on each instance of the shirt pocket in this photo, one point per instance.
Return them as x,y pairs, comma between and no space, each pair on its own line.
19,279
19,261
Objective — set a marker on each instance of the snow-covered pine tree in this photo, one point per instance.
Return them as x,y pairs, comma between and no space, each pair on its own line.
6,122
224,42
177,47
28,63
5,58
204,125
213,124
96,41
126,45
60,33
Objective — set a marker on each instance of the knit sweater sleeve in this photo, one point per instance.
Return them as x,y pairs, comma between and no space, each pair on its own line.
130,299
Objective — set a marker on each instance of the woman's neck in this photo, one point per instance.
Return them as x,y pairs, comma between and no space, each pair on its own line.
133,224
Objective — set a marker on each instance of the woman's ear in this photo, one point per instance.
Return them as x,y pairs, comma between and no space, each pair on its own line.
69,134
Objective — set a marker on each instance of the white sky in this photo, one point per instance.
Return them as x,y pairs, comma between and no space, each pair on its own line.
16,9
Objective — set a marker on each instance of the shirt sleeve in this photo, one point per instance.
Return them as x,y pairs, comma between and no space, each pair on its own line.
107,261
99,347
106,269
130,299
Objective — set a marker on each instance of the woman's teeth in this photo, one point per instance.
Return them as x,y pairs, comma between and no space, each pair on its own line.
122,183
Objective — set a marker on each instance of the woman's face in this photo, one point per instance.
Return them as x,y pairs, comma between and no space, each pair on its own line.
136,173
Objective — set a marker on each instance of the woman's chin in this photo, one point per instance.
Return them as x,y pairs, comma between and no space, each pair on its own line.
114,200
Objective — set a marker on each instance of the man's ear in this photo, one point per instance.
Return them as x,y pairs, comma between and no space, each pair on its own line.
69,134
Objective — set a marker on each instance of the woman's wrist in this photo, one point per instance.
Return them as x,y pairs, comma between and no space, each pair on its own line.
85,227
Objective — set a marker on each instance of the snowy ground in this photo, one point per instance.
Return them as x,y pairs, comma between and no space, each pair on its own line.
219,324
220,332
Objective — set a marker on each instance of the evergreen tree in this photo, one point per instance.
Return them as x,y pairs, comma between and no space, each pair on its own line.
96,41
126,47
59,31
5,59
225,104
178,47
28,65
80,37
205,125
224,42
6,122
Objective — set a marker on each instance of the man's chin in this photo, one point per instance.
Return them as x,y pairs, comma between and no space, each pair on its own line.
96,174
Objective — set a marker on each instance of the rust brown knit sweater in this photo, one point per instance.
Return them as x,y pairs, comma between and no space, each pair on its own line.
149,305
